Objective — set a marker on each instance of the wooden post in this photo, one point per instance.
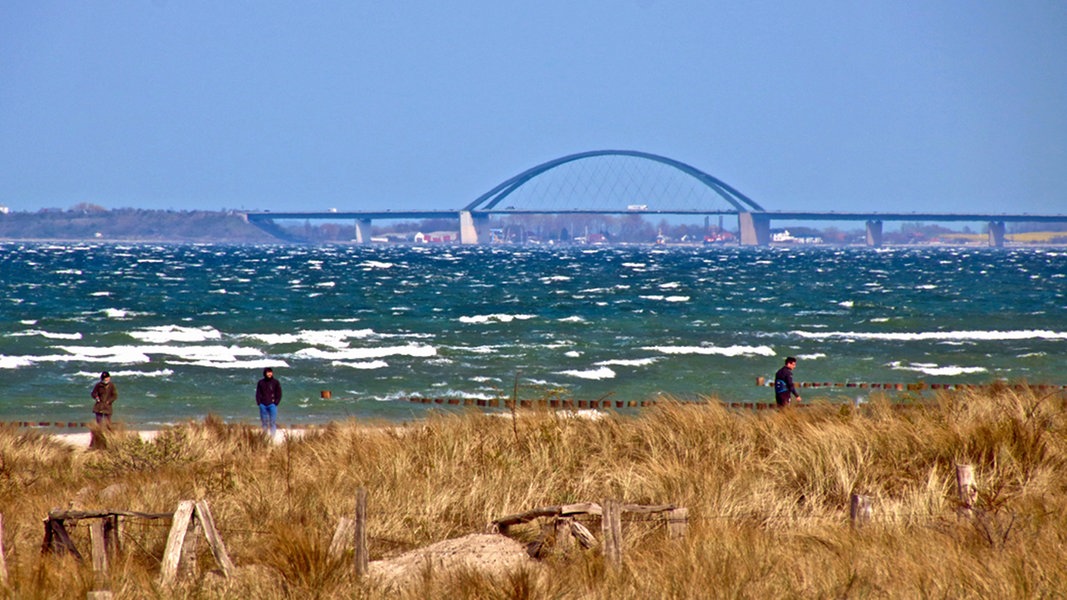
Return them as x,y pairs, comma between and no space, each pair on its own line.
611,526
112,539
3,563
190,547
860,510
564,539
968,490
173,552
57,540
213,539
361,558
99,549
677,522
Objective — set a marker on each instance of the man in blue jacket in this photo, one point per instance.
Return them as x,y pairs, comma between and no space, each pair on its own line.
783,383
268,397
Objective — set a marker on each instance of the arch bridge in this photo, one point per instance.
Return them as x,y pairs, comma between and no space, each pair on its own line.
630,182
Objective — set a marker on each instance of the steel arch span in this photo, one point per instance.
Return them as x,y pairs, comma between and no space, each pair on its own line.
488,201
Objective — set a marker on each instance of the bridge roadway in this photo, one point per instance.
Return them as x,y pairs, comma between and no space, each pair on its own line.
754,226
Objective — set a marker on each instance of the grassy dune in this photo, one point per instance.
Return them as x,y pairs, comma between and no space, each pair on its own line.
768,498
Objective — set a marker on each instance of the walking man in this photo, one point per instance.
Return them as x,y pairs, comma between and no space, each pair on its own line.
105,394
268,397
783,384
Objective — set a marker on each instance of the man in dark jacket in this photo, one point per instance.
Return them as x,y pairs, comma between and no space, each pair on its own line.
105,394
783,383
268,397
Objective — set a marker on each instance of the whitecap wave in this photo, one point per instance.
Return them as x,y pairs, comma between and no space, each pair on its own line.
48,334
599,373
367,365
14,362
252,365
715,350
501,318
1029,334
123,374
141,354
415,350
175,333
936,370
628,362
335,338
374,264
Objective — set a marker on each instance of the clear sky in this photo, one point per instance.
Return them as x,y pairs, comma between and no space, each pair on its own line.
957,105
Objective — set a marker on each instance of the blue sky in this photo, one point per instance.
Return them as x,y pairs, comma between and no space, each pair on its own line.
816,105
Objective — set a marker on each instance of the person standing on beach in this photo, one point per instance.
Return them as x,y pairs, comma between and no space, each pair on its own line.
783,383
105,394
268,397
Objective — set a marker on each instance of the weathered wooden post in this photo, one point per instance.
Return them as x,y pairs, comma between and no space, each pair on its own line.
99,549
859,510
188,510
3,562
677,522
564,539
968,490
361,558
611,527
99,557
218,548
173,552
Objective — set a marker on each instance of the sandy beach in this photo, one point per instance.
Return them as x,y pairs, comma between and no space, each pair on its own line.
81,440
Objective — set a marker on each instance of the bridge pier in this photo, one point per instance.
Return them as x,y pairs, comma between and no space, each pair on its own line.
996,234
362,231
755,229
874,234
469,225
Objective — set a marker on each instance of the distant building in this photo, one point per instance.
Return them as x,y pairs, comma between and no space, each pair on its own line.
436,237
784,237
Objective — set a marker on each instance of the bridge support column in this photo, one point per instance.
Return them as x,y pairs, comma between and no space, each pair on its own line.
469,225
996,234
755,229
362,231
874,234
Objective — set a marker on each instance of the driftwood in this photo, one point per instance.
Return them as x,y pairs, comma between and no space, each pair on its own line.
186,512
502,524
564,529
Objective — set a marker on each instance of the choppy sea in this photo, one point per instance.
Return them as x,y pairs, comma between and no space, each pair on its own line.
185,330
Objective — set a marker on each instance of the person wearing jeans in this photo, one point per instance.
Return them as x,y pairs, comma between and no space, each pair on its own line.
268,397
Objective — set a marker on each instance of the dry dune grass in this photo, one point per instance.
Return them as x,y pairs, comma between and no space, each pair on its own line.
768,497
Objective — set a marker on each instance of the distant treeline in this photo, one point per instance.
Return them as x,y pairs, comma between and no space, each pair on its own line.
93,222
90,222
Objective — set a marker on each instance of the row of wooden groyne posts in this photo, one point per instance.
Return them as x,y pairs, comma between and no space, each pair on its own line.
570,404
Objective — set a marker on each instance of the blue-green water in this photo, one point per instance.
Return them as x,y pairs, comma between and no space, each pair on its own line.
186,329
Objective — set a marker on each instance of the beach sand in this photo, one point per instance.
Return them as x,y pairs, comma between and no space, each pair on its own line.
82,440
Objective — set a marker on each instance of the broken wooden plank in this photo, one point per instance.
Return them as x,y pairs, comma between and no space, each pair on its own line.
345,531
173,552
214,540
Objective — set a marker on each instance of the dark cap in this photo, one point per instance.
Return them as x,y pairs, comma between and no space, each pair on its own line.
105,375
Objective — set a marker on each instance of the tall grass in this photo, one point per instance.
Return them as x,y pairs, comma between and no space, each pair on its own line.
767,493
